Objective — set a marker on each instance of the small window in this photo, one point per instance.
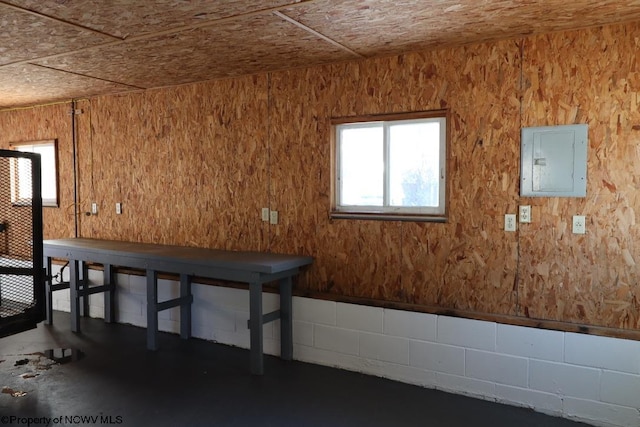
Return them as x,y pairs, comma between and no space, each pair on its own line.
21,173
391,167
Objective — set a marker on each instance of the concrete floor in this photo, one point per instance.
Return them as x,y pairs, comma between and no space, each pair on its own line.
199,383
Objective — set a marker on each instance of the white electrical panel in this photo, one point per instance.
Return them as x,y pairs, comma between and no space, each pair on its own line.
554,161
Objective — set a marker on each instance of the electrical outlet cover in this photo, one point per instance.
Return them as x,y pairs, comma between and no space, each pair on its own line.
274,217
510,222
579,224
524,213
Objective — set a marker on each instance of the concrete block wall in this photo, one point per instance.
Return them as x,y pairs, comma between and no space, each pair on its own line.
581,377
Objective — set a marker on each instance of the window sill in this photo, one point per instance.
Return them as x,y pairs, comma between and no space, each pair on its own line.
377,216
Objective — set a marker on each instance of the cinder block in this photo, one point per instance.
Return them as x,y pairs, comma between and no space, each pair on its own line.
564,379
328,358
169,326
96,311
599,413
603,352
530,342
130,303
138,285
463,385
408,324
122,280
132,319
384,348
467,333
436,357
205,314
242,327
95,277
404,373
303,333
359,317
236,299
336,339
167,290
620,389
540,401
499,368
170,314
314,311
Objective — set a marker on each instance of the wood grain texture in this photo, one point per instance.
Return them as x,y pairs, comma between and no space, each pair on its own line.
27,84
245,45
586,77
194,164
188,164
45,123
126,18
132,44
39,36
467,263
380,27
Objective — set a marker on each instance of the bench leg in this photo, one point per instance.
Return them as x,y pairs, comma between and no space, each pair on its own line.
286,319
152,311
48,293
84,284
185,308
255,312
74,298
109,296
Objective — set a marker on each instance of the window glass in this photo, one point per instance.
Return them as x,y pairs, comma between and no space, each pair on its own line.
21,178
391,167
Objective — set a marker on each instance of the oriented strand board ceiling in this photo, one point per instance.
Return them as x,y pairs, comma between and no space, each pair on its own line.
53,50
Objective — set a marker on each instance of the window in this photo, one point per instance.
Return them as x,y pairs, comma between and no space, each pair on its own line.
391,167
21,173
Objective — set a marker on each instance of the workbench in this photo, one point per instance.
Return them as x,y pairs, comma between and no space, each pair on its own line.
253,268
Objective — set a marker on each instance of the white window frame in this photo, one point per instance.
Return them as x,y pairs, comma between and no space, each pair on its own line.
388,211
49,171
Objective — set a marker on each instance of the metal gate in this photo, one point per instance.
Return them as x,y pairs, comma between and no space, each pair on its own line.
22,294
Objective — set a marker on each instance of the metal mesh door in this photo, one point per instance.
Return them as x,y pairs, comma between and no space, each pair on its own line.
21,263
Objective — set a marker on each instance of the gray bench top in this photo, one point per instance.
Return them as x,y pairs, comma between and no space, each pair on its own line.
93,249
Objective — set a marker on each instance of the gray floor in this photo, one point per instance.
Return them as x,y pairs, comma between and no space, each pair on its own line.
199,383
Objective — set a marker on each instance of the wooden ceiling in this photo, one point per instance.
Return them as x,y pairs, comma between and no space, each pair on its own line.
54,50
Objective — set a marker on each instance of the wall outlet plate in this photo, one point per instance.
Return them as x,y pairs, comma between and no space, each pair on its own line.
510,222
524,213
94,208
579,224
265,214
273,217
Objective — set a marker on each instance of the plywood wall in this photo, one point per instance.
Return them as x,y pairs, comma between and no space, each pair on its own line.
46,123
194,164
188,165
591,77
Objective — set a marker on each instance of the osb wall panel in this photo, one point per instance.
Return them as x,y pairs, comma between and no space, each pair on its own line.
45,123
590,77
188,165
468,263
194,164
